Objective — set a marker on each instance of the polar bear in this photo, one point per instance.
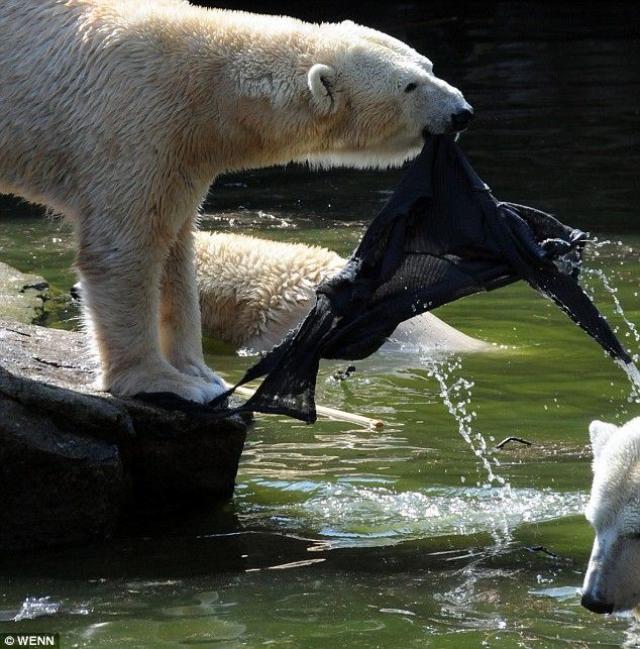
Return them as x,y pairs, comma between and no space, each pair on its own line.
612,581
253,291
120,113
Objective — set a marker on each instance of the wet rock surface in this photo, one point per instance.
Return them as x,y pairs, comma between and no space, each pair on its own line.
73,459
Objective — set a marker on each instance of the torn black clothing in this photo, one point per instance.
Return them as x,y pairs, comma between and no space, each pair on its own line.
441,236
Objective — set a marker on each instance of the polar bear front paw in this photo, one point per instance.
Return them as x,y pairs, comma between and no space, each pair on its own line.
199,370
162,377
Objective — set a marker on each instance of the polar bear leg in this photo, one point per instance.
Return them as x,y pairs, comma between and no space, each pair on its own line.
180,320
121,285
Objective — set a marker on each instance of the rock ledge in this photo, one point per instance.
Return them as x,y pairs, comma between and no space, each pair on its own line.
73,460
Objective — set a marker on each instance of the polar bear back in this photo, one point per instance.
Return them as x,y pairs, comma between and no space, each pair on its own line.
253,291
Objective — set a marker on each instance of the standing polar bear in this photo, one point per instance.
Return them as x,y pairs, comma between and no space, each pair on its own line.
119,114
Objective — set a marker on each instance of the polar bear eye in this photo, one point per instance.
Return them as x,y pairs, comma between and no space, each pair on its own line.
411,87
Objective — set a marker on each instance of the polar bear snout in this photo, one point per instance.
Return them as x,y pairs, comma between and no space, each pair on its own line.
462,119
442,107
457,122
595,605
612,580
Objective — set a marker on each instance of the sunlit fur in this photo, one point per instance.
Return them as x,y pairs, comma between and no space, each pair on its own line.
119,114
613,575
253,291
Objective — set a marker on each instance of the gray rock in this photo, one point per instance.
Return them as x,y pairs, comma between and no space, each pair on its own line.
22,295
73,459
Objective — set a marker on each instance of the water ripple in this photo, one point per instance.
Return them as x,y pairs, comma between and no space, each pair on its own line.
355,515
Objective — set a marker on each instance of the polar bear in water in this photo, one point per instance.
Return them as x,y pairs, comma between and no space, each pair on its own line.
120,113
612,582
254,291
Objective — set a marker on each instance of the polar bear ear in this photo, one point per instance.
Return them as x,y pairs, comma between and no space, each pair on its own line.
600,432
321,80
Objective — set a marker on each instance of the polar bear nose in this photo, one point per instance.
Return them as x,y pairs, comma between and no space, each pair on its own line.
595,605
460,120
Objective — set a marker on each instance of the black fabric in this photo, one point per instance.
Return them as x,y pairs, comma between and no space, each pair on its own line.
441,236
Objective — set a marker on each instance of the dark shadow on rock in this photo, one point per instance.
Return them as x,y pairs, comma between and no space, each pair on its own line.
73,460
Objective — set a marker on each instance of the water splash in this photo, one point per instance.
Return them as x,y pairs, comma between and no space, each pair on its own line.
634,377
34,607
632,332
632,329
360,515
456,396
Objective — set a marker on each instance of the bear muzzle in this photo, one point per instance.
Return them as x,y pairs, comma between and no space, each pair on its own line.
595,604
457,122
461,120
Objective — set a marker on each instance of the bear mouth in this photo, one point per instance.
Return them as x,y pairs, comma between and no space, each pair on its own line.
426,132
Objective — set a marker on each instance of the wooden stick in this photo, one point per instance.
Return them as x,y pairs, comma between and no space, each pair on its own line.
507,440
331,413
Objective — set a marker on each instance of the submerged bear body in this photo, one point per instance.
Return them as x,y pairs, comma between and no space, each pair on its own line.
254,291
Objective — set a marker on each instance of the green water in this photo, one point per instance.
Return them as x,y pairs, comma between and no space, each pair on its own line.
339,536
368,539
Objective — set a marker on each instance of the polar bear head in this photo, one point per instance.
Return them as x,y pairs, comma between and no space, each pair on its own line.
612,581
384,97
336,94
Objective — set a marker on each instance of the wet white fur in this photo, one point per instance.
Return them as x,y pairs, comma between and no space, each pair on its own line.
613,574
119,114
254,291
